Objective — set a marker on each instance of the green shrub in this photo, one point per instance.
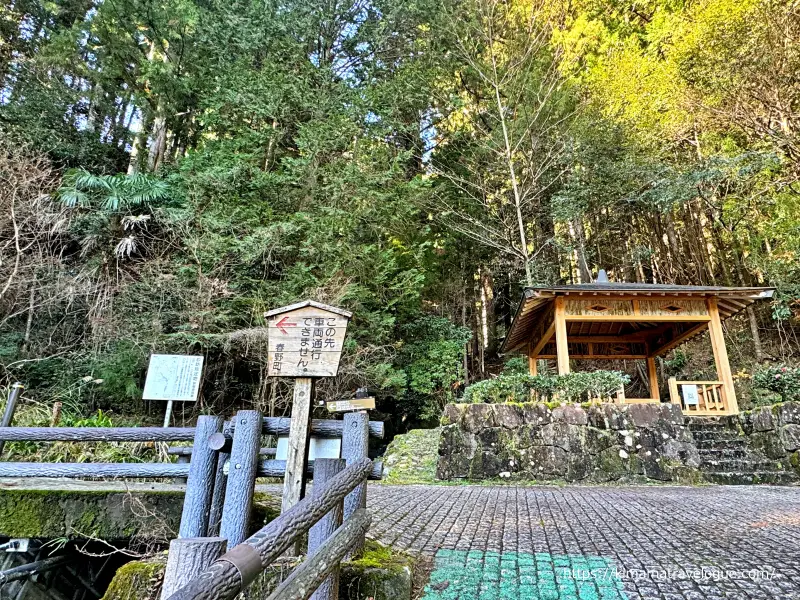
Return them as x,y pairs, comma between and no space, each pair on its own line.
781,379
574,387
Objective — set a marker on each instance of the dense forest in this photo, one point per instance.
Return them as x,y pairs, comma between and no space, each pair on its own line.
172,169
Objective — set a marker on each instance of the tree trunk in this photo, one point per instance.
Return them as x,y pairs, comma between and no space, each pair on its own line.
579,237
489,316
159,139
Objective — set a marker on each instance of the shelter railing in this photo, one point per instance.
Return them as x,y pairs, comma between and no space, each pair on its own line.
711,398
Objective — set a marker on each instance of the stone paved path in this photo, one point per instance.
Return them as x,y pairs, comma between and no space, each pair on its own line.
667,543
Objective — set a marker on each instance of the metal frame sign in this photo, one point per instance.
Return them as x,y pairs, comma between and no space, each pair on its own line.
173,377
305,340
317,448
690,396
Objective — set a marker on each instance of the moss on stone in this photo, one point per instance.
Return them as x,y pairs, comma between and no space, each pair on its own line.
412,457
381,573
82,514
377,556
794,460
137,580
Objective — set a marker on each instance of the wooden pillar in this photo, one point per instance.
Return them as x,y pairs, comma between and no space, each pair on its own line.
355,447
188,557
721,356
533,366
218,497
562,349
241,477
200,484
652,377
325,469
299,439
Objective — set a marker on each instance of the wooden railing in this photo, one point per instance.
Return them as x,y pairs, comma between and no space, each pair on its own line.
620,398
200,573
711,398
225,460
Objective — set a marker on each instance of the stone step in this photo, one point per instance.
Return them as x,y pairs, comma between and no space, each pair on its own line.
723,435
734,478
747,465
737,444
722,453
706,424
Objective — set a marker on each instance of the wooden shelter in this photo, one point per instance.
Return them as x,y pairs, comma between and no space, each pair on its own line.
612,321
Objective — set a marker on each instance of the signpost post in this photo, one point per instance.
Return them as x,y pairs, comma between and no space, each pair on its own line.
173,377
305,342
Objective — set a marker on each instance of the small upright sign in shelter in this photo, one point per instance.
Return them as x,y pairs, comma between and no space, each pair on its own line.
305,341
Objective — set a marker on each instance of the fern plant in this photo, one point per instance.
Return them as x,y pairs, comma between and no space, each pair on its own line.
115,211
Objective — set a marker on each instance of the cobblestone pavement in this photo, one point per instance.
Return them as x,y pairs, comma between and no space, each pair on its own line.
668,543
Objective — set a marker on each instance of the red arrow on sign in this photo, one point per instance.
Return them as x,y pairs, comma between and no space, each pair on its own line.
282,323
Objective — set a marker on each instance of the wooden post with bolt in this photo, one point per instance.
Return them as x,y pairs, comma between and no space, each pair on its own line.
241,477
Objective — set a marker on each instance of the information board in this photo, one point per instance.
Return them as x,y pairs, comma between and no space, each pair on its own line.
173,377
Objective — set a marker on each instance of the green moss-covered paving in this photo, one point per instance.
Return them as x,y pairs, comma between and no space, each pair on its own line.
412,457
478,575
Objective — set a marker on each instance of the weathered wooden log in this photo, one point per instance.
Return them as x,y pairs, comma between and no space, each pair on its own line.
241,477
188,557
276,468
97,434
93,470
184,451
236,569
200,483
323,428
324,470
355,447
30,569
11,407
314,570
218,498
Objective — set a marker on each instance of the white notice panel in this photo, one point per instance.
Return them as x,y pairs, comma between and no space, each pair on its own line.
173,377
690,397
318,448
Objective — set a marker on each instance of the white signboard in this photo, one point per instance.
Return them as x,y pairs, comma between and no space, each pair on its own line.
317,448
173,377
690,397
305,341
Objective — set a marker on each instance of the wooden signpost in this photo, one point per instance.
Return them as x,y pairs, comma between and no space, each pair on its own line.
305,341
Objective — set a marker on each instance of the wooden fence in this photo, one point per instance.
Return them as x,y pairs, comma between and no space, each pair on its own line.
225,460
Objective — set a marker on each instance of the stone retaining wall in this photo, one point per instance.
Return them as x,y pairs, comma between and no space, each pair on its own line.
774,431
594,443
